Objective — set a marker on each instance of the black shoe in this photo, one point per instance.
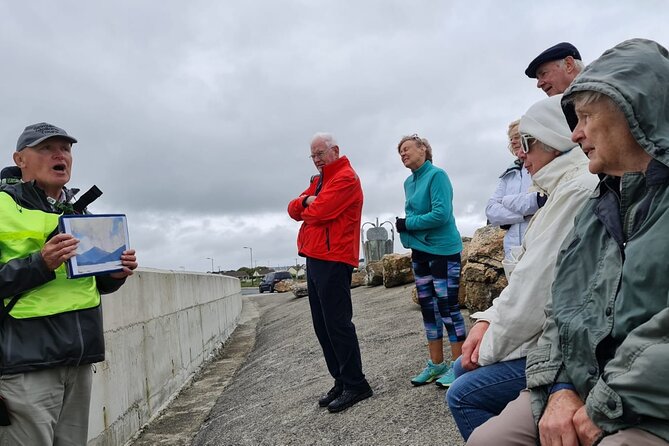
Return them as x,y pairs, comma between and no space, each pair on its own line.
349,398
332,395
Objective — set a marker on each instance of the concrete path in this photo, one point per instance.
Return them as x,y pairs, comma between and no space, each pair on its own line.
266,382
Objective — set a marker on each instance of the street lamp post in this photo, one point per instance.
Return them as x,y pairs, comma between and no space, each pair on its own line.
251,251
212,263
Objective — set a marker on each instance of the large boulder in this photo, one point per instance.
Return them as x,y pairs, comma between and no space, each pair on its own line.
374,273
483,276
299,289
464,256
283,286
397,270
358,278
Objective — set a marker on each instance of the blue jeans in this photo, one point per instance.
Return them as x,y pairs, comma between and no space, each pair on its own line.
478,395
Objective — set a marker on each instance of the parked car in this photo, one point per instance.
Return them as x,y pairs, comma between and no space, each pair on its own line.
271,279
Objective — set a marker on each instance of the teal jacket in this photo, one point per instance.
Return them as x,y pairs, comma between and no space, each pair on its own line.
607,330
429,212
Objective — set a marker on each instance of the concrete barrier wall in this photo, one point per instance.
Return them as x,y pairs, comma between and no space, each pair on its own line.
159,328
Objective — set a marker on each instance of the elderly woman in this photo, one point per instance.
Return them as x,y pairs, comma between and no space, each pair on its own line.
512,204
491,371
429,230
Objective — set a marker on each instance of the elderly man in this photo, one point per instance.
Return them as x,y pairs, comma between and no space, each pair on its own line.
598,374
50,326
555,68
331,209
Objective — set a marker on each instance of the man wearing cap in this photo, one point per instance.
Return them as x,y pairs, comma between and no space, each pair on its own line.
491,371
598,373
555,68
50,326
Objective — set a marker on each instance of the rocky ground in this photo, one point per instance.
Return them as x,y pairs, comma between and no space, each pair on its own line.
270,398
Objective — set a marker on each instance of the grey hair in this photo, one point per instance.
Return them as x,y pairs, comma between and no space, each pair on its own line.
327,138
587,97
420,142
548,148
578,64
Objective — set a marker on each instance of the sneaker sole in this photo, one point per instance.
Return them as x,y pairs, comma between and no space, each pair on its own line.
359,398
442,386
417,383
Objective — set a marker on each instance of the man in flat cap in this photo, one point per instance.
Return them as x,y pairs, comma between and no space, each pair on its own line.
555,68
50,326
598,373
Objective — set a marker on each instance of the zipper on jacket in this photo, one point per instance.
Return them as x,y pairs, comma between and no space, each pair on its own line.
327,237
81,337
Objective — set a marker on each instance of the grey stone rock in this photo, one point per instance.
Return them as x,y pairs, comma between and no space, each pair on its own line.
300,289
283,286
397,270
358,278
483,276
374,273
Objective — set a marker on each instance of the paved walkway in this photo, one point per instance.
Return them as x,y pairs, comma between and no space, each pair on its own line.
264,386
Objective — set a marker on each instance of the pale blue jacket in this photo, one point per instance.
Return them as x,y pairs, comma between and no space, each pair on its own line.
512,204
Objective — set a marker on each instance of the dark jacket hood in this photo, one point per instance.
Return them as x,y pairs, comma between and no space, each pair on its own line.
635,75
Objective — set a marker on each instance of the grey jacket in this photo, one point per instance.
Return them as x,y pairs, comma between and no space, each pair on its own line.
607,331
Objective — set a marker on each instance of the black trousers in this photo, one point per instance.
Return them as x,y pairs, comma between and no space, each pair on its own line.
329,285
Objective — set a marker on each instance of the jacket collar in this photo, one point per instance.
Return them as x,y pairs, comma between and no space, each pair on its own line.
656,173
516,165
335,166
422,169
565,166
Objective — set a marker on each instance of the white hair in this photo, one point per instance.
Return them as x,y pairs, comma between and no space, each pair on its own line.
578,64
327,138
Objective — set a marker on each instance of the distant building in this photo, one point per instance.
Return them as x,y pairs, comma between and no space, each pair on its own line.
298,271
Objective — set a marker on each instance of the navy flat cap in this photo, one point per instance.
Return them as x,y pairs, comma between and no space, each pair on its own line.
556,52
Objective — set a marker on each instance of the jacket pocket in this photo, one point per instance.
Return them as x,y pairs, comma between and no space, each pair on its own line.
327,238
538,355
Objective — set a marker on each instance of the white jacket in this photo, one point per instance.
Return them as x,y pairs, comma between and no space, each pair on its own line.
517,315
512,204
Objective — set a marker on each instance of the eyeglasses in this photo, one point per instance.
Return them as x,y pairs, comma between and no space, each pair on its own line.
526,141
320,154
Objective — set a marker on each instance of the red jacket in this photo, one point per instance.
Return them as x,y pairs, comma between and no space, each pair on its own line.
331,228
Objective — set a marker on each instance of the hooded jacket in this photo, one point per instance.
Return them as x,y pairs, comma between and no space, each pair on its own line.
607,327
331,224
516,316
69,337
512,204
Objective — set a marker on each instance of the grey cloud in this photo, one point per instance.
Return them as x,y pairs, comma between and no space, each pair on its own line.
204,111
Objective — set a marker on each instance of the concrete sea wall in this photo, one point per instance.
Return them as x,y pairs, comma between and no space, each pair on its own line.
159,328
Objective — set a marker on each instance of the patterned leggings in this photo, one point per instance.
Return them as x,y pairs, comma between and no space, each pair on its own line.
437,284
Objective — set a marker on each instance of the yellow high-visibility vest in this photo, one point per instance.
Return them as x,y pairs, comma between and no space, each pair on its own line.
23,232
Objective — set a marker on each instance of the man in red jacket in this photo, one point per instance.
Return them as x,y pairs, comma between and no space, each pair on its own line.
329,238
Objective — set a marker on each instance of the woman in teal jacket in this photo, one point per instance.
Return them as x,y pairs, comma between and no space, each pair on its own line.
429,230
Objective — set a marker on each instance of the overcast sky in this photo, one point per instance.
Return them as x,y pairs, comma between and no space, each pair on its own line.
194,118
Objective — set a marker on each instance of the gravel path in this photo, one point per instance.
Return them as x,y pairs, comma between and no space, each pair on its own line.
272,397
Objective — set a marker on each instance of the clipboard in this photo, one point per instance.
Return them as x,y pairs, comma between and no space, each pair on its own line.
102,240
